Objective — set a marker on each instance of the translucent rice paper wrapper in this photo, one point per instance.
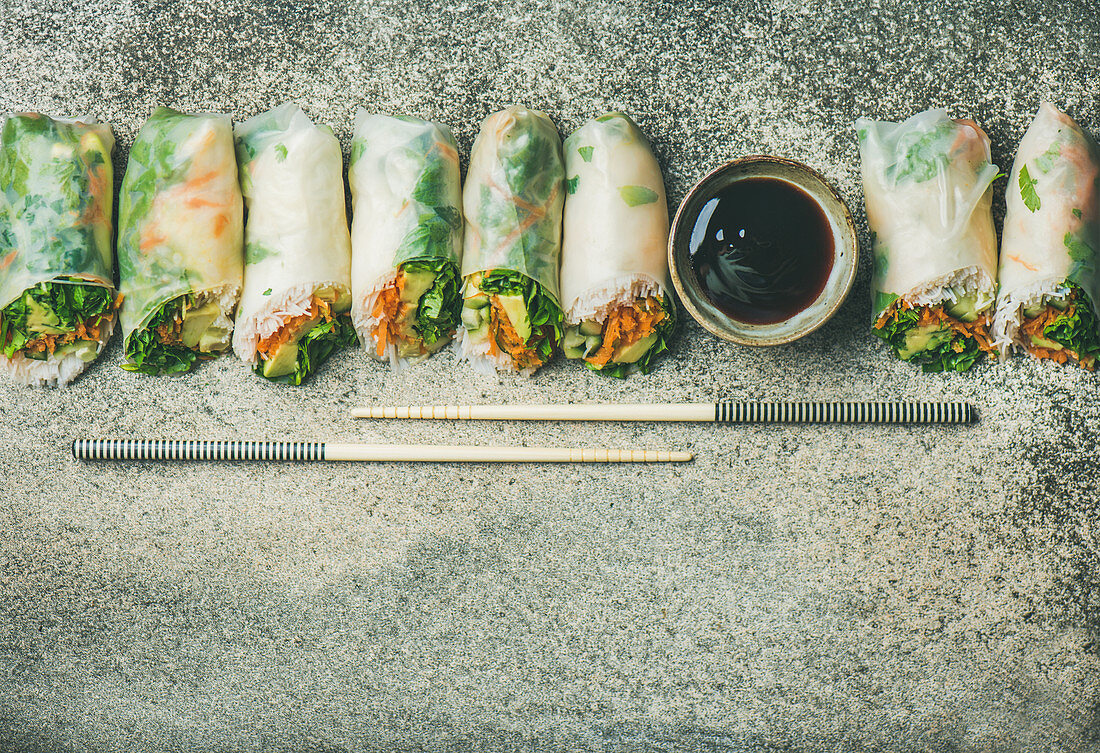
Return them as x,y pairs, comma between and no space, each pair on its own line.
927,184
513,198
406,205
56,196
1052,224
296,240
614,249
180,215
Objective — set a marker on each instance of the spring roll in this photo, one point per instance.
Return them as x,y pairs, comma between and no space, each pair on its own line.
180,242
57,296
614,269
406,236
512,200
297,277
928,187
1047,304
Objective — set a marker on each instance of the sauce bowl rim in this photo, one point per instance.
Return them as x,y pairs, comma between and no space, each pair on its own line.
846,231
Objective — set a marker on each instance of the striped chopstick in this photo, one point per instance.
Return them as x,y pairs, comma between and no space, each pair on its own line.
186,449
725,412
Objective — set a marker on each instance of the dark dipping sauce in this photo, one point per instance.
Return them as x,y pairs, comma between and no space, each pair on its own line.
762,250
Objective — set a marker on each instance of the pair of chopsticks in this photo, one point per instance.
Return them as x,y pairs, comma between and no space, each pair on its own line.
723,412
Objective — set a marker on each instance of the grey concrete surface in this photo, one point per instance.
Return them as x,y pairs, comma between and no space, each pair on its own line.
809,589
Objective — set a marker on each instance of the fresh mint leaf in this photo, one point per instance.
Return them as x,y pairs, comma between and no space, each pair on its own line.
585,152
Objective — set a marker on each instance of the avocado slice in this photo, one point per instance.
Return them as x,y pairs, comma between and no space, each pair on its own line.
196,321
283,361
417,283
214,339
516,311
285,358
631,353
920,339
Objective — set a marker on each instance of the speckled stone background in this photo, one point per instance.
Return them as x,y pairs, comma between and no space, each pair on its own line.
795,588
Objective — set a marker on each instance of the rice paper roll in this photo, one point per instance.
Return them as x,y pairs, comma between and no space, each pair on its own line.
512,201
928,188
295,305
57,296
1047,303
180,242
614,270
406,236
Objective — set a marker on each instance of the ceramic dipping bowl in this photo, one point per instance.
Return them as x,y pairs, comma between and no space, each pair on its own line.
836,285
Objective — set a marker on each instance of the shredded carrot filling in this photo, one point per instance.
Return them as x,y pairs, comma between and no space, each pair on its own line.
391,313
627,325
289,327
936,315
503,337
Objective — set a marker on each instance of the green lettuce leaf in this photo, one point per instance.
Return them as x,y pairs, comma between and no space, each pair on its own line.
438,310
146,354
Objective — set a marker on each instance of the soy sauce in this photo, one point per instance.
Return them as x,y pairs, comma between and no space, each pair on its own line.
762,250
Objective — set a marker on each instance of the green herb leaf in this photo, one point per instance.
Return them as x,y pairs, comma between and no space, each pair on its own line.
254,253
1027,190
1046,160
1076,213
267,292
280,152
637,195
1079,251
585,152
571,184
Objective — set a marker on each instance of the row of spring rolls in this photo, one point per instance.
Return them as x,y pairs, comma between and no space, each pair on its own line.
941,295
291,285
